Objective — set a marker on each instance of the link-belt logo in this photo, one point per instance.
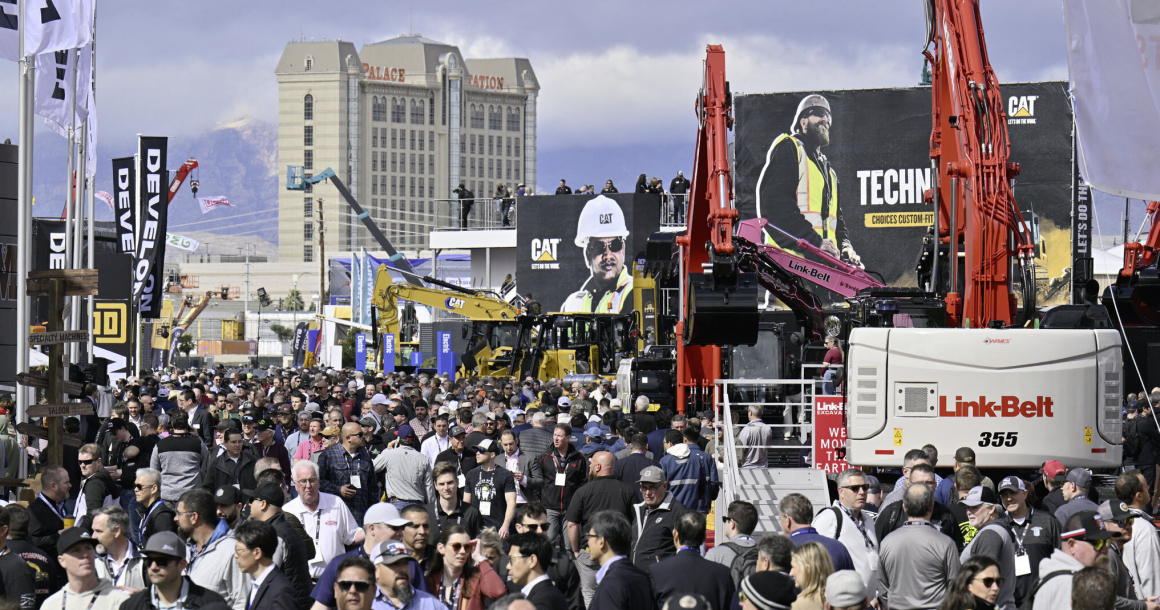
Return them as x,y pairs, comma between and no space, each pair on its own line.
813,272
1005,406
990,341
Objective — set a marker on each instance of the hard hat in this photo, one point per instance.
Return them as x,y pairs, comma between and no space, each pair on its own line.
601,217
812,100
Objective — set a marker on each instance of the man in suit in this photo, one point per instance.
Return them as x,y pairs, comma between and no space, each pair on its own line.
628,468
528,561
46,512
200,422
687,571
266,503
619,584
254,547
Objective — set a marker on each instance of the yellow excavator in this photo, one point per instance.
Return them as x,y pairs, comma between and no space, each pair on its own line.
493,328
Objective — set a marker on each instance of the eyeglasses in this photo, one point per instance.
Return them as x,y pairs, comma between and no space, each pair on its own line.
512,558
595,246
139,486
1098,545
305,482
857,488
87,462
990,582
360,586
536,527
162,562
726,519
461,546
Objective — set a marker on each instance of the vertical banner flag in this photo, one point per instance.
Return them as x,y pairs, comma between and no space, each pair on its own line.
370,272
148,272
124,197
57,74
416,358
829,434
388,352
1115,87
355,289
360,352
445,358
298,346
49,25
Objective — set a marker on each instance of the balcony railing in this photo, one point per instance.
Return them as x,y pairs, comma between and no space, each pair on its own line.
484,213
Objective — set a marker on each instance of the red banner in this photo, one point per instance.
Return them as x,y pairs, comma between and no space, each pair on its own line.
829,434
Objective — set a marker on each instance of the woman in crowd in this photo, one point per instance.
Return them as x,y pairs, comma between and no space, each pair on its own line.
311,445
976,587
460,578
811,567
642,184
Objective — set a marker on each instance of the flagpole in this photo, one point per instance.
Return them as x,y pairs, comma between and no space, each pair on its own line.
26,74
92,182
133,305
70,194
84,220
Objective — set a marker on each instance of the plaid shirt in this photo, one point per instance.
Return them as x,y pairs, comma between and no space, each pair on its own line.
336,467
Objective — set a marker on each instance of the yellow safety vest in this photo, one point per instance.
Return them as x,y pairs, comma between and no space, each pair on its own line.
581,300
811,183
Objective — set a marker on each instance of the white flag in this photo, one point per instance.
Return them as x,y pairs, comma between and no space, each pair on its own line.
50,25
209,203
181,242
1114,56
54,88
108,199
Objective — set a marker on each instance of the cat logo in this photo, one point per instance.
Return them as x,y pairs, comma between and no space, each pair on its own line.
1021,109
545,253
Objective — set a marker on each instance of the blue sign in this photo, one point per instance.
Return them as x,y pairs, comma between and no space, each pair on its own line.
416,358
388,353
445,358
360,352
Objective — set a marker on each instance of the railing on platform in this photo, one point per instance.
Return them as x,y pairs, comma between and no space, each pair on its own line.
485,213
673,208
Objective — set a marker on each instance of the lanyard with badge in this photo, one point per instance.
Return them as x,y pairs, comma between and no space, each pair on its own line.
1019,533
485,505
64,602
353,465
871,551
561,477
51,506
318,560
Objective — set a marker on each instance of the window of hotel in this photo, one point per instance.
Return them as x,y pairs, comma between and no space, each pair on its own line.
308,253
477,116
422,163
394,191
394,140
374,161
490,145
412,139
308,231
308,207
417,107
472,174
308,107
309,62
308,136
412,165
513,120
472,143
398,110
517,168
374,187
374,137
431,141
394,165
507,170
308,159
309,186
431,163
463,166
431,188
431,108
462,144
422,144
412,186
491,168
495,117
508,149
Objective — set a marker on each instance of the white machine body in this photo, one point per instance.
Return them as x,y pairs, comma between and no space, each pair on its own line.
1018,397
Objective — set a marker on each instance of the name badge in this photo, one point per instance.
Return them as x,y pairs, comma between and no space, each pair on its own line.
485,509
1022,565
873,560
356,481
561,479
462,480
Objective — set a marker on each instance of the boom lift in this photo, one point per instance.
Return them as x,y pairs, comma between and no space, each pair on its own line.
1020,396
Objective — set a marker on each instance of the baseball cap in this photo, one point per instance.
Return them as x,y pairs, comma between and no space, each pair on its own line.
391,551
368,422
263,424
564,401
1013,484
384,512
1054,469
874,483
652,474
406,432
399,410
163,392
1084,525
331,431
980,495
303,415
165,543
1115,511
378,399
286,409
269,491
228,495
116,424
1082,477
72,537
965,455
594,431
687,601
844,589
485,445
456,431
770,590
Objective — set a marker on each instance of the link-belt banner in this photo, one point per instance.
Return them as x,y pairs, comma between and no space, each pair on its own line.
854,184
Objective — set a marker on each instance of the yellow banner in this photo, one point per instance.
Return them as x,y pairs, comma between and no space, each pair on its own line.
899,219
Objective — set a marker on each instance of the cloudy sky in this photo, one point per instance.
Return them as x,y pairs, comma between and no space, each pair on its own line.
618,78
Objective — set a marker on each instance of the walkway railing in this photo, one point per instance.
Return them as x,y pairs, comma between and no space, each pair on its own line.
484,213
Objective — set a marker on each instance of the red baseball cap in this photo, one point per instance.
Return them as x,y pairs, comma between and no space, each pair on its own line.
1054,469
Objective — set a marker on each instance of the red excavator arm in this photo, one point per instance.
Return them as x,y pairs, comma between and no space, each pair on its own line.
969,147
180,176
1138,255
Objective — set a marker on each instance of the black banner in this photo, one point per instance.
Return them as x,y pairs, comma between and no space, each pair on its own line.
555,236
299,343
148,272
1081,237
878,146
126,204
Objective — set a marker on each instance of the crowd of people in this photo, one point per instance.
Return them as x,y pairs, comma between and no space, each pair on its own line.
308,490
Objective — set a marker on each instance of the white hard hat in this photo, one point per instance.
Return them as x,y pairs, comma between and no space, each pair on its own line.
601,217
813,100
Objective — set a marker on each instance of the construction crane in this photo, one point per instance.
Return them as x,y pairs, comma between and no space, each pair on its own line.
179,178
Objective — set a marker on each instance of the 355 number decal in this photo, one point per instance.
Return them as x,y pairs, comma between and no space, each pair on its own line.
998,439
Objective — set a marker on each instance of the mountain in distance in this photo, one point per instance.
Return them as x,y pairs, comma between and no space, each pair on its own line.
236,159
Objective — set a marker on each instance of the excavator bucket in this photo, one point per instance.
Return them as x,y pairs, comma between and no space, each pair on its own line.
722,312
660,255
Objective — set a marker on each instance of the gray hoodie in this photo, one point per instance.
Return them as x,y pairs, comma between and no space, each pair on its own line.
1056,593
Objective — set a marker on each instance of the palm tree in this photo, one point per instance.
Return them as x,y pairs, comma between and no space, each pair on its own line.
294,301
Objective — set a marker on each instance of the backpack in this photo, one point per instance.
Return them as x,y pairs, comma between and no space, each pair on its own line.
1131,439
838,516
1029,601
744,561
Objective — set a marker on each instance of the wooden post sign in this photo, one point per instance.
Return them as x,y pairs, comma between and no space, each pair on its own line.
61,410
58,337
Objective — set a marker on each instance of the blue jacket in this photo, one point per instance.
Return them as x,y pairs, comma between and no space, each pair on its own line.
590,449
692,477
838,553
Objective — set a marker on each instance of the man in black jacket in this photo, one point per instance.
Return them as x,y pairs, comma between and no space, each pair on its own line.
45,569
46,512
688,572
622,585
531,518
290,553
565,470
457,455
234,467
628,469
200,421
528,560
97,487
255,546
892,517
164,568
603,492
466,200
17,580
156,515
563,189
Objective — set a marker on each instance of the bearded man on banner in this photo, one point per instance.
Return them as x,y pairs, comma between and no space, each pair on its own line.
603,234
797,189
